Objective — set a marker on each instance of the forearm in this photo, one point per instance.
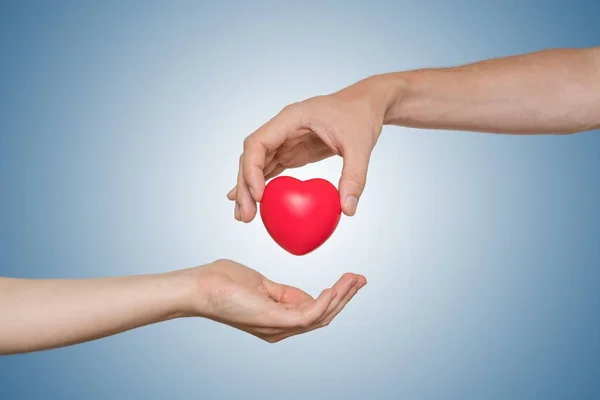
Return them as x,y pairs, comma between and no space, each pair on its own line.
43,314
551,91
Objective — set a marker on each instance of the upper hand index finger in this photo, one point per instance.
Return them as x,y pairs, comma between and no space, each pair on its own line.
265,139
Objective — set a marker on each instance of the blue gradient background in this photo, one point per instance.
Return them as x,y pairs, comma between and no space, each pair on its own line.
120,127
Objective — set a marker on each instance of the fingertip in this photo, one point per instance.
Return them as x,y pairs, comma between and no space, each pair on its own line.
231,194
347,275
247,220
345,283
247,215
350,204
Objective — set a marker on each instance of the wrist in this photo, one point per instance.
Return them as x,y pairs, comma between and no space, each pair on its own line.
181,293
194,286
388,92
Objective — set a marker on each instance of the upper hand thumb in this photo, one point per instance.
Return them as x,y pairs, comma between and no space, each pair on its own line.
353,180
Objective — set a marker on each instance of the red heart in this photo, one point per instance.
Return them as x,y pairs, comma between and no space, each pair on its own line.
300,215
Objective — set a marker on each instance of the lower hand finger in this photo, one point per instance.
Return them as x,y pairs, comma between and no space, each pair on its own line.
299,319
349,289
341,287
359,284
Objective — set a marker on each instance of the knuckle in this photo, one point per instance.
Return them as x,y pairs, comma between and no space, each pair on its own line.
249,142
296,111
304,115
289,108
357,178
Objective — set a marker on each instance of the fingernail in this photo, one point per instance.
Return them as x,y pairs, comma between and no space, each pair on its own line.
350,204
238,212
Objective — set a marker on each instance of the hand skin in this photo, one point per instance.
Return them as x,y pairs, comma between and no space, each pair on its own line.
554,91
44,314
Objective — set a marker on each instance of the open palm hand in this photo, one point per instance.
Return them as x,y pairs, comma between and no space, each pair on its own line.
241,297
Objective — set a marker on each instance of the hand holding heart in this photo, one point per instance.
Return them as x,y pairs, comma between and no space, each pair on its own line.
346,123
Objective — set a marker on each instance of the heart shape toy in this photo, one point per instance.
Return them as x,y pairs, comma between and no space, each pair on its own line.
300,215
